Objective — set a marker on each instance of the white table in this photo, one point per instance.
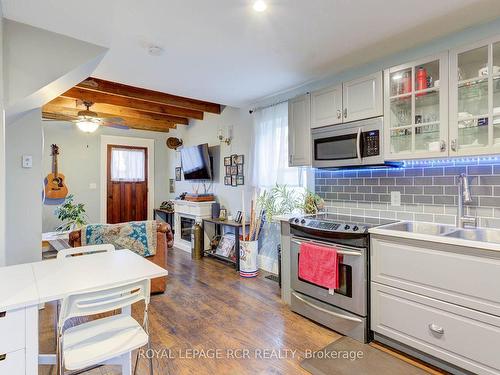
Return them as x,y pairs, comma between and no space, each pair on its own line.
23,287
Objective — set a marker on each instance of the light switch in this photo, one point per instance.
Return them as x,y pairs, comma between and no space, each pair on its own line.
395,198
92,186
27,161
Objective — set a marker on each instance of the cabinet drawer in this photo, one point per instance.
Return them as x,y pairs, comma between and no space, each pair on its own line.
13,363
12,330
461,278
464,337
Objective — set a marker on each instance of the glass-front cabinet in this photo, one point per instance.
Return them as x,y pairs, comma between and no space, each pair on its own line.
475,99
416,109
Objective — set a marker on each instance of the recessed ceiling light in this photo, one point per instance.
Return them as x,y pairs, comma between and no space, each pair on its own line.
259,6
155,50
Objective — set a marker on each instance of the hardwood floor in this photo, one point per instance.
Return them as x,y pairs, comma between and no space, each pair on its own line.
208,307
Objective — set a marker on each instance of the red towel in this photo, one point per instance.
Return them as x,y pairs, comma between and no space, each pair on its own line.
319,265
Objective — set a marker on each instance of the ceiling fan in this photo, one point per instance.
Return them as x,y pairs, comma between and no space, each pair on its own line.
89,121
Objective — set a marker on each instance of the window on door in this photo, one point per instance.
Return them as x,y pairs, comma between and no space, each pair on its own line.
128,165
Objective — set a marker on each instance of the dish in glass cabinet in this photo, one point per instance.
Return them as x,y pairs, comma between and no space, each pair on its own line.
473,145
484,71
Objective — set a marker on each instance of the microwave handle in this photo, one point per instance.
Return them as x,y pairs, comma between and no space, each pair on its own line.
358,145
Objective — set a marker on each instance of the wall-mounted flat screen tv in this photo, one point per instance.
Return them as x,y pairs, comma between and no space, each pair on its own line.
196,163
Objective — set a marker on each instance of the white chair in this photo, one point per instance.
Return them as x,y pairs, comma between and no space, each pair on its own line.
84,250
95,342
79,251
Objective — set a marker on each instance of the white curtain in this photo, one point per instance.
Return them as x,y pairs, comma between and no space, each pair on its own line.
128,164
270,153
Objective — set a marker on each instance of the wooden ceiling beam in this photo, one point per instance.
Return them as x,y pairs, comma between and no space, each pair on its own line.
121,101
116,111
54,112
125,123
119,89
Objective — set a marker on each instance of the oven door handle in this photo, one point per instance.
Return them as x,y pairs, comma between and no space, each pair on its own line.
337,315
341,252
358,145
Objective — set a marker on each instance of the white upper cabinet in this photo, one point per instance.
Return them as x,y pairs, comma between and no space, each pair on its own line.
363,98
416,109
326,107
299,131
475,99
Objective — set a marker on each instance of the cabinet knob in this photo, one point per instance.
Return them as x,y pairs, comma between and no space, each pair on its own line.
442,146
339,113
454,145
437,329
345,112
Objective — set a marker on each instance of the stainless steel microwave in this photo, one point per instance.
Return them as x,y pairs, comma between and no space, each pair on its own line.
359,143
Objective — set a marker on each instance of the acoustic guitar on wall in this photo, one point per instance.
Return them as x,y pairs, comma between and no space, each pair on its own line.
55,188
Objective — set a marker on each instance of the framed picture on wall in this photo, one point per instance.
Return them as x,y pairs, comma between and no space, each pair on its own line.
227,160
240,169
233,181
178,173
227,180
234,159
240,159
234,170
240,180
228,170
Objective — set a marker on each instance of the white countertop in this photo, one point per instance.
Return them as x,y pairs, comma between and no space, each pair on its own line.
434,238
49,280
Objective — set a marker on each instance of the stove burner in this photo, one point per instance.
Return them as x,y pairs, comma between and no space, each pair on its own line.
338,223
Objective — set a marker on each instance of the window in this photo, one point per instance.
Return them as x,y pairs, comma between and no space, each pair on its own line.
271,149
128,164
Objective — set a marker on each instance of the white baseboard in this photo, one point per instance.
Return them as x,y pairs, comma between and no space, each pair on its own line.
268,264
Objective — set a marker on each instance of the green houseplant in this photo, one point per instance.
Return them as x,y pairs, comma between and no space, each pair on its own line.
284,200
71,214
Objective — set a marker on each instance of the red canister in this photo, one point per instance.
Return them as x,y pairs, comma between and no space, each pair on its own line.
421,80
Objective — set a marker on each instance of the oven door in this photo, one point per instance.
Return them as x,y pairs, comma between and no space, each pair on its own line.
352,293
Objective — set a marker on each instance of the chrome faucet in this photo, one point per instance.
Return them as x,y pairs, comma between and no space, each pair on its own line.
464,197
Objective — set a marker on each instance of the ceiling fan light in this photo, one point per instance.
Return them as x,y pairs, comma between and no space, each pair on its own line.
87,126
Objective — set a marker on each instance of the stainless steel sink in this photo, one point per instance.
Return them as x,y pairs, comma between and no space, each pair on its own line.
422,228
479,234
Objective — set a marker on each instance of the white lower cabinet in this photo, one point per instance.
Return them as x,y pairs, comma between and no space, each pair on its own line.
13,363
441,300
19,341
463,337
12,330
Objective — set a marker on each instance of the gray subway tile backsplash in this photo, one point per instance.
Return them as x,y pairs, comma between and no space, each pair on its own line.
428,192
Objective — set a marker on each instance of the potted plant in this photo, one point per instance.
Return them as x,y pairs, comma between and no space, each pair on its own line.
283,200
71,214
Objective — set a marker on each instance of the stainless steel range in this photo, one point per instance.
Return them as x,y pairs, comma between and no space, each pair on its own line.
346,311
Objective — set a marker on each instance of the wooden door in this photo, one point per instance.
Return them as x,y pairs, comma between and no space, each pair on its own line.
299,131
127,197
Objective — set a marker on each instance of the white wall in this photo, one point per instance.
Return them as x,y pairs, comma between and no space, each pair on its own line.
454,40
2,150
24,189
38,65
206,131
79,161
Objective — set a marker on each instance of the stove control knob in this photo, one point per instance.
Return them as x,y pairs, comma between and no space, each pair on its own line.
296,220
347,227
355,228
303,221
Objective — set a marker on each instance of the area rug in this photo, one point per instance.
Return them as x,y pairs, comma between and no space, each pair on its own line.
348,356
